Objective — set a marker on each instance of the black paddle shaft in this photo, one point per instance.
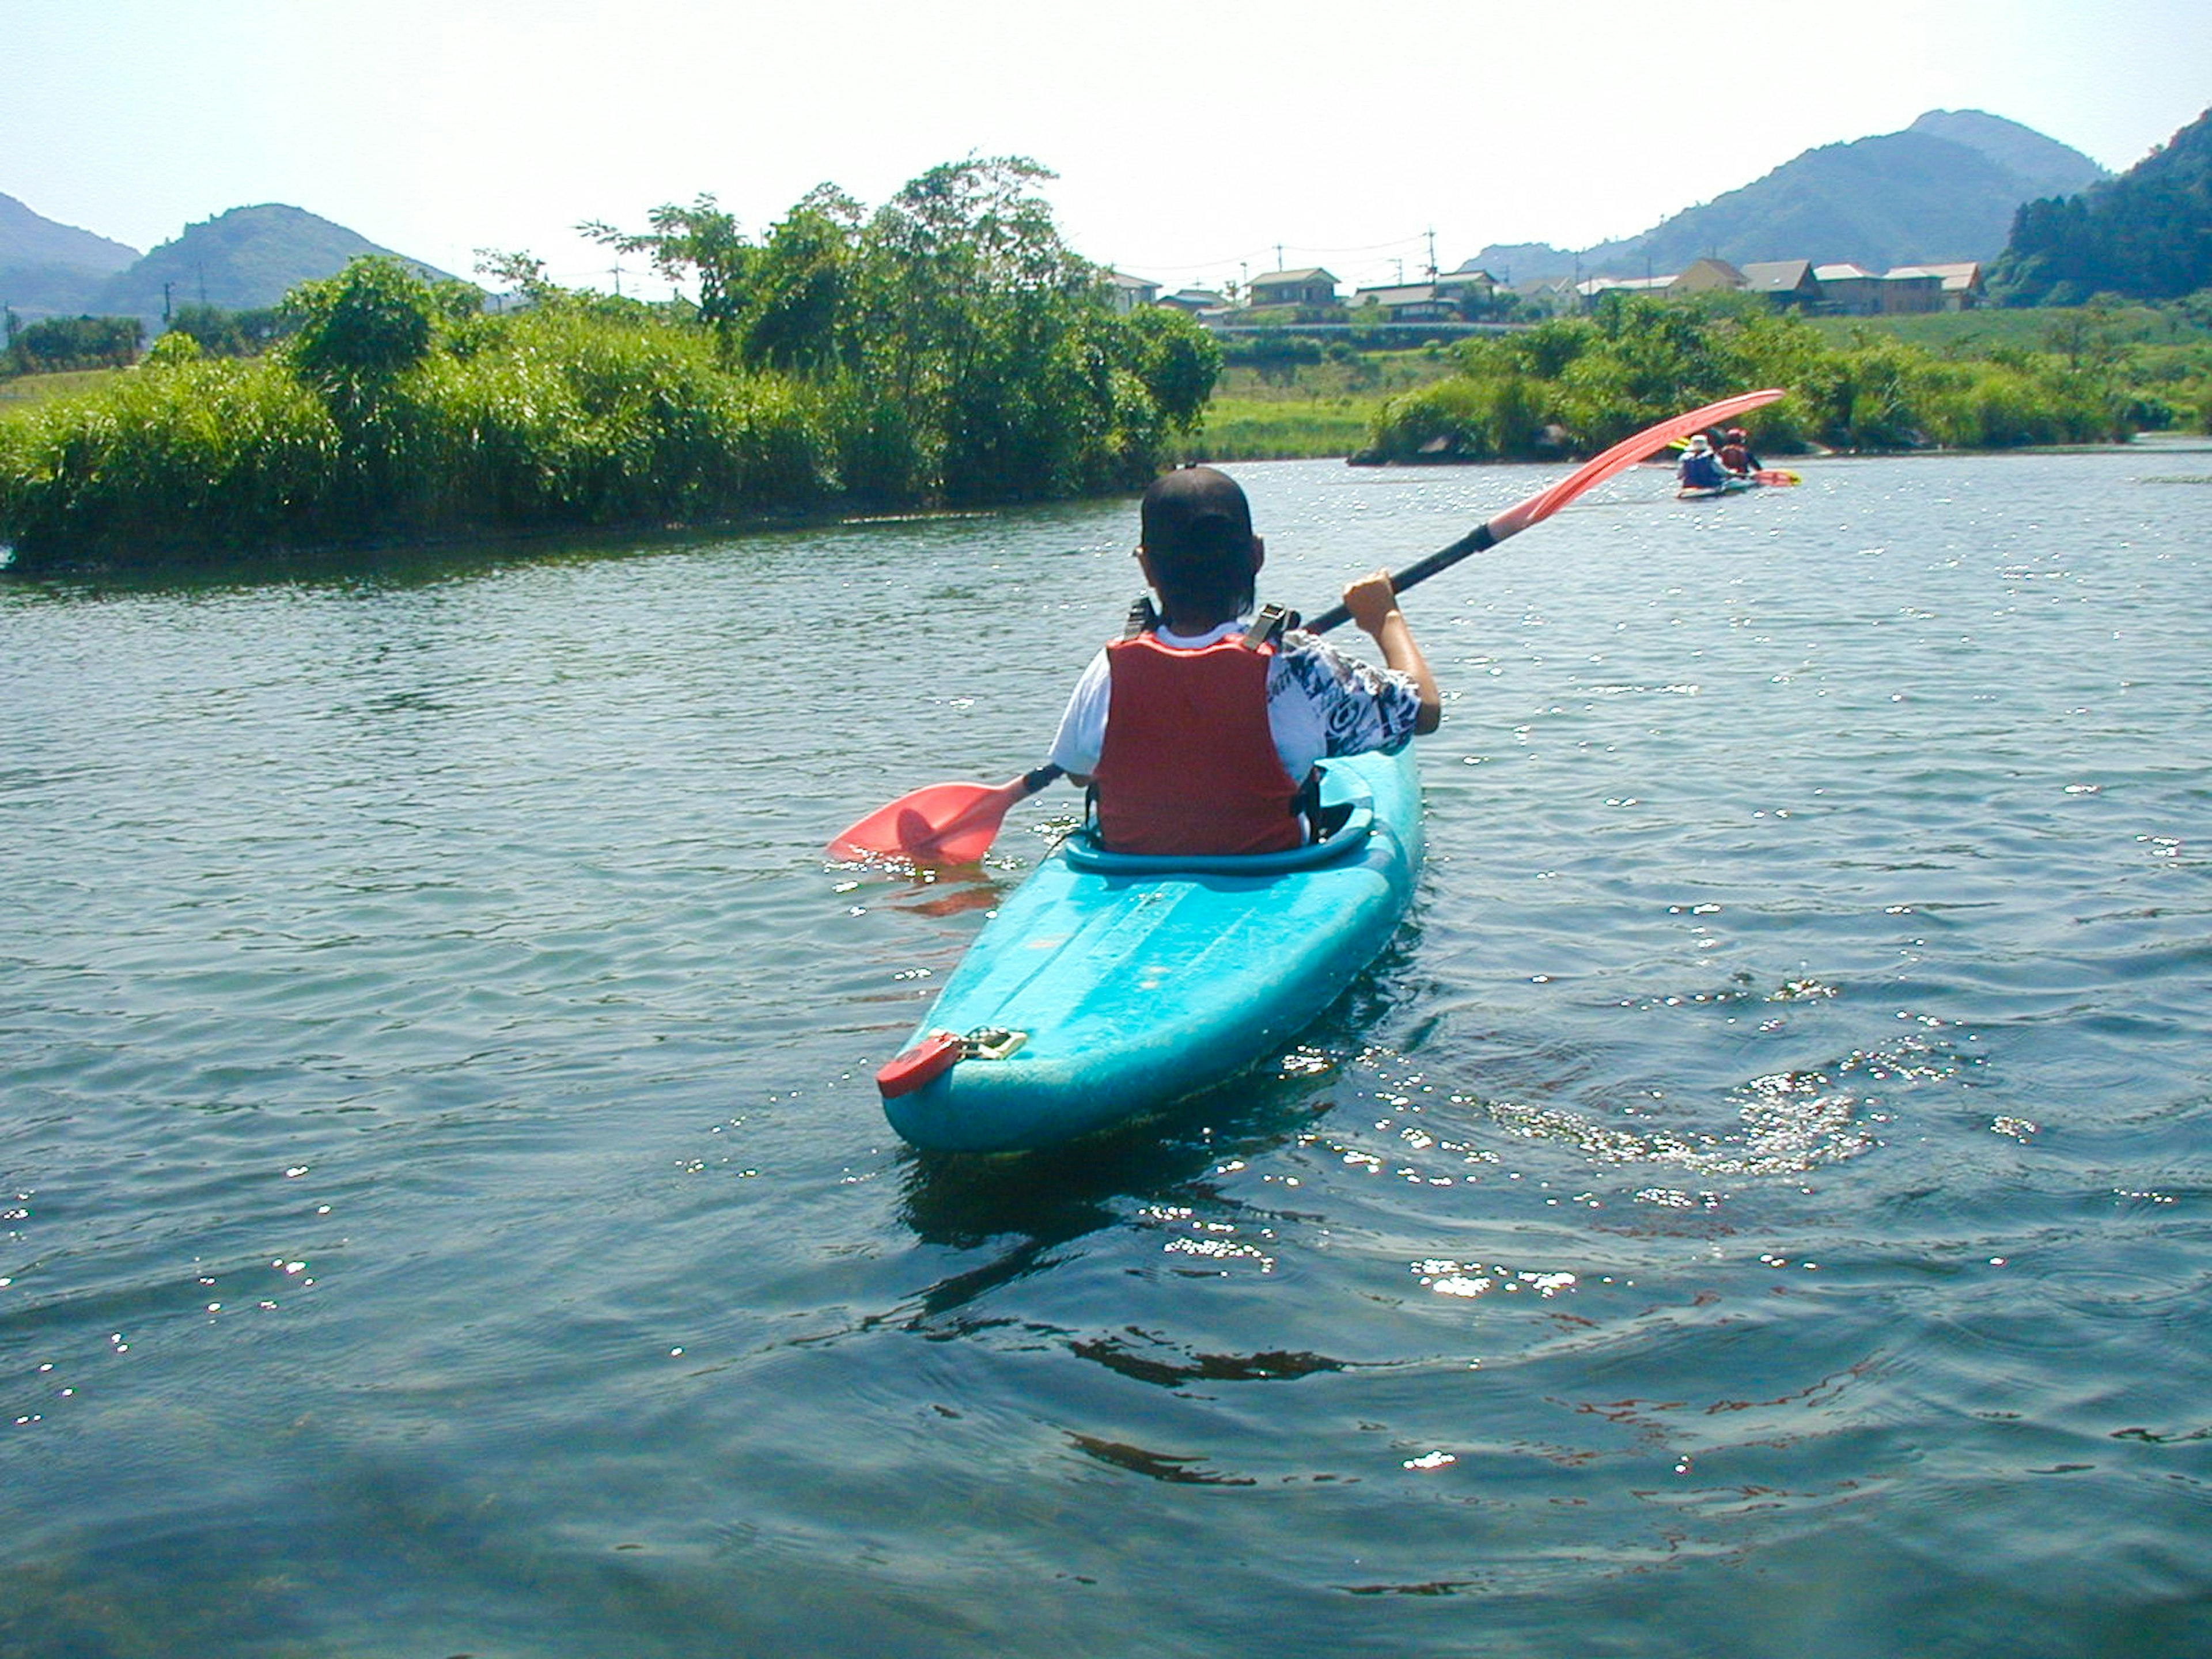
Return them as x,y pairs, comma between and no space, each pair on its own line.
1474,541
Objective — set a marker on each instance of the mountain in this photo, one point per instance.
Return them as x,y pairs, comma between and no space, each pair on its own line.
241,260
2049,167
1944,189
31,239
2146,235
46,267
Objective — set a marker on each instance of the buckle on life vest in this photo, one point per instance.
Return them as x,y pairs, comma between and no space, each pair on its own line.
1267,628
938,1052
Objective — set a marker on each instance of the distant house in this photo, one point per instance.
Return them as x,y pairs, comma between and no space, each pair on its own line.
1961,286
1409,302
1591,287
1197,302
1851,291
1449,299
1707,276
1310,287
1841,289
1784,282
1848,288
1130,292
1468,285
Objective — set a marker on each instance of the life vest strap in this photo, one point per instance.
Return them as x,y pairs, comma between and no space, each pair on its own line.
1267,628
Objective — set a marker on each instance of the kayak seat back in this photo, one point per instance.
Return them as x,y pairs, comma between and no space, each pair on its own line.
1345,841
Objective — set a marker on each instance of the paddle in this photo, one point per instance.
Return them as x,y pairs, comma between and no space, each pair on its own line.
956,822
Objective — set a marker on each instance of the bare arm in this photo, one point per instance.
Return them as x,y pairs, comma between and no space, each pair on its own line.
1373,603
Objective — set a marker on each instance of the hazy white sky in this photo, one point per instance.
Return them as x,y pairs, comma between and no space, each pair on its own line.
1192,141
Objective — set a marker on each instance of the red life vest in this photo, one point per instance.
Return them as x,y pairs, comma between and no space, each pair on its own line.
1188,765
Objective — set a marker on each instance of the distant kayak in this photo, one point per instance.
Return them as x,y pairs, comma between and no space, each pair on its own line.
1108,986
1765,478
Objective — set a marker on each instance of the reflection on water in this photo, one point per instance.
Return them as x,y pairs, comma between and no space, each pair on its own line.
1758,1204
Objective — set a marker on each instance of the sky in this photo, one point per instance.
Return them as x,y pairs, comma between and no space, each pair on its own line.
1194,145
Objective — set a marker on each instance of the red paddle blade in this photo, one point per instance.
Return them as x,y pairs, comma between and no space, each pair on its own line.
945,824
1626,453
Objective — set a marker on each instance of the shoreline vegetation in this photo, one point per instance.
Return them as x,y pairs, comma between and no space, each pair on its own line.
1570,386
947,352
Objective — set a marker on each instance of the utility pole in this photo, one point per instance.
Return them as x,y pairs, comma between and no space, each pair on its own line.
166,287
1432,253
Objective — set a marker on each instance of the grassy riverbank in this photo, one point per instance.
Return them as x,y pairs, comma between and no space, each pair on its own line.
1303,411
24,394
950,350
1577,384
1978,379
404,414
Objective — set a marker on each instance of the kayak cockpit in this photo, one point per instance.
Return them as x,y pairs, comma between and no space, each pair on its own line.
1348,805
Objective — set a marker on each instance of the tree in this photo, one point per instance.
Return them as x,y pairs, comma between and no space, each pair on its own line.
700,243
55,343
1177,360
971,298
2147,235
363,327
795,313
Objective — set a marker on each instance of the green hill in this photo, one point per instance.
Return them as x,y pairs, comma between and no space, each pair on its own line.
2045,166
241,260
49,268
2146,235
1944,189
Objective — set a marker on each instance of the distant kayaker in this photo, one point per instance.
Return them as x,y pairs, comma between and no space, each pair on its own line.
1701,468
1199,730
1735,452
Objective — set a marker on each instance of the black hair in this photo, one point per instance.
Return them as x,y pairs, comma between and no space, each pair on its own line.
1197,529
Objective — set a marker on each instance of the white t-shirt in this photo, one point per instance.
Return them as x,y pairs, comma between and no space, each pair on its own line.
1320,703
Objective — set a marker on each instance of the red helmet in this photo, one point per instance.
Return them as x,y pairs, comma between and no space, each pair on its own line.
1737,432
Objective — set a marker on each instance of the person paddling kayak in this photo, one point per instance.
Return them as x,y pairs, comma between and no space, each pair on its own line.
1198,731
1701,468
1736,454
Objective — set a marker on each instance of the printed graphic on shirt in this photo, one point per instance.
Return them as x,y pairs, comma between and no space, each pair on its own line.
1363,708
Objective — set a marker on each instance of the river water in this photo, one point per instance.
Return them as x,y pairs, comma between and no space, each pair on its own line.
1761,1203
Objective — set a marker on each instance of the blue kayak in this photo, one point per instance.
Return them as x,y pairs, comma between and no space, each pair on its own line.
1714,492
1109,985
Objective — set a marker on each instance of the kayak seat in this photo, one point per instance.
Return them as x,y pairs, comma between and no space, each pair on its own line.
1354,823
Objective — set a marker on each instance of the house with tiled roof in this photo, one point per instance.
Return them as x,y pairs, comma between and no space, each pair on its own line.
1129,292
1785,281
1310,287
1961,283
1409,302
1706,277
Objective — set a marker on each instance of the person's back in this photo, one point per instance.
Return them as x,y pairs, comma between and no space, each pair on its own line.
1701,468
1188,762
1197,733
1736,453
